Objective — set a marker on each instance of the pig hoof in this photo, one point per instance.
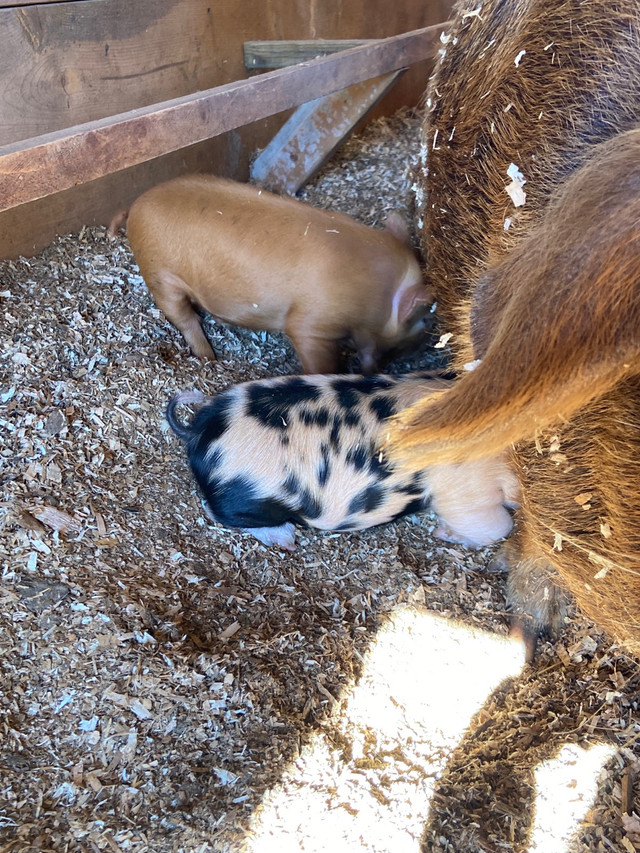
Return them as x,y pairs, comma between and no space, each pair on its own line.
524,629
441,532
284,536
204,354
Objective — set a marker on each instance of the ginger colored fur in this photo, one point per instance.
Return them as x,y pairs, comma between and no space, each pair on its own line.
577,85
551,305
555,325
262,261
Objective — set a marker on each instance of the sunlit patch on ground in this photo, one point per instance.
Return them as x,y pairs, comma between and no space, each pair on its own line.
422,681
566,787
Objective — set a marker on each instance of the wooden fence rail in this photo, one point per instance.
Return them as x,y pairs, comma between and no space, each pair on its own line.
34,168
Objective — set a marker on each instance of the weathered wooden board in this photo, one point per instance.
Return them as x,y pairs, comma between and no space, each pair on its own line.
66,63
11,4
60,160
70,62
24,230
281,54
310,136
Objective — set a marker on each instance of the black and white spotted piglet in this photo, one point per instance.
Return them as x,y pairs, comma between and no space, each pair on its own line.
305,450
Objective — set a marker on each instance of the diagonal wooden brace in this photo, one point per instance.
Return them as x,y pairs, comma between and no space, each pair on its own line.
313,133
37,167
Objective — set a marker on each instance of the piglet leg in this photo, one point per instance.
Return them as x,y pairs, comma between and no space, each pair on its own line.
284,536
443,532
171,295
316,354
367,352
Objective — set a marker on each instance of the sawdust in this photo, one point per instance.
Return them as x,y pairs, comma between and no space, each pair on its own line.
167,685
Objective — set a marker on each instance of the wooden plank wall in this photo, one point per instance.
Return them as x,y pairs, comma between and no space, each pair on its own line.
66,63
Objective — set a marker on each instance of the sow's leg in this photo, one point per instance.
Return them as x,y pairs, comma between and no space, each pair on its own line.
537,603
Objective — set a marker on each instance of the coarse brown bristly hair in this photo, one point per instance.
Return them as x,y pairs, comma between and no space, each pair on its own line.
544,298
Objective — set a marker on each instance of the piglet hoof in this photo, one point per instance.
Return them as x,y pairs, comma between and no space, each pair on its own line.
447,535
203,353
441,532
283,536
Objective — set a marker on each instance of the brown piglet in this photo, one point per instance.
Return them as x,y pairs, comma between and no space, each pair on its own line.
258,260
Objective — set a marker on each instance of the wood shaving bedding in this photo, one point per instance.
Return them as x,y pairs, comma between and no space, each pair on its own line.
162,678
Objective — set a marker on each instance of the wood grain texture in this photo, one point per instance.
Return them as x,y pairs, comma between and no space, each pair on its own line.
63,159
74,62
62,64
280,54
66,63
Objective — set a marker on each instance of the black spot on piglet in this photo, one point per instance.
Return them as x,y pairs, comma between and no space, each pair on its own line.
213,459
309,505
414,487
271,403
415,505
348,391
367,500
211,422
324,468
334,435
235,503
318,418
358,457
352,418
291,485
382,407
379,466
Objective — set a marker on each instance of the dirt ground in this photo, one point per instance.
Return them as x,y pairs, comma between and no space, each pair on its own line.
169,685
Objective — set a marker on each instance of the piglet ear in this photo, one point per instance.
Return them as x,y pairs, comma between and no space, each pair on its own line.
410,299
397,225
